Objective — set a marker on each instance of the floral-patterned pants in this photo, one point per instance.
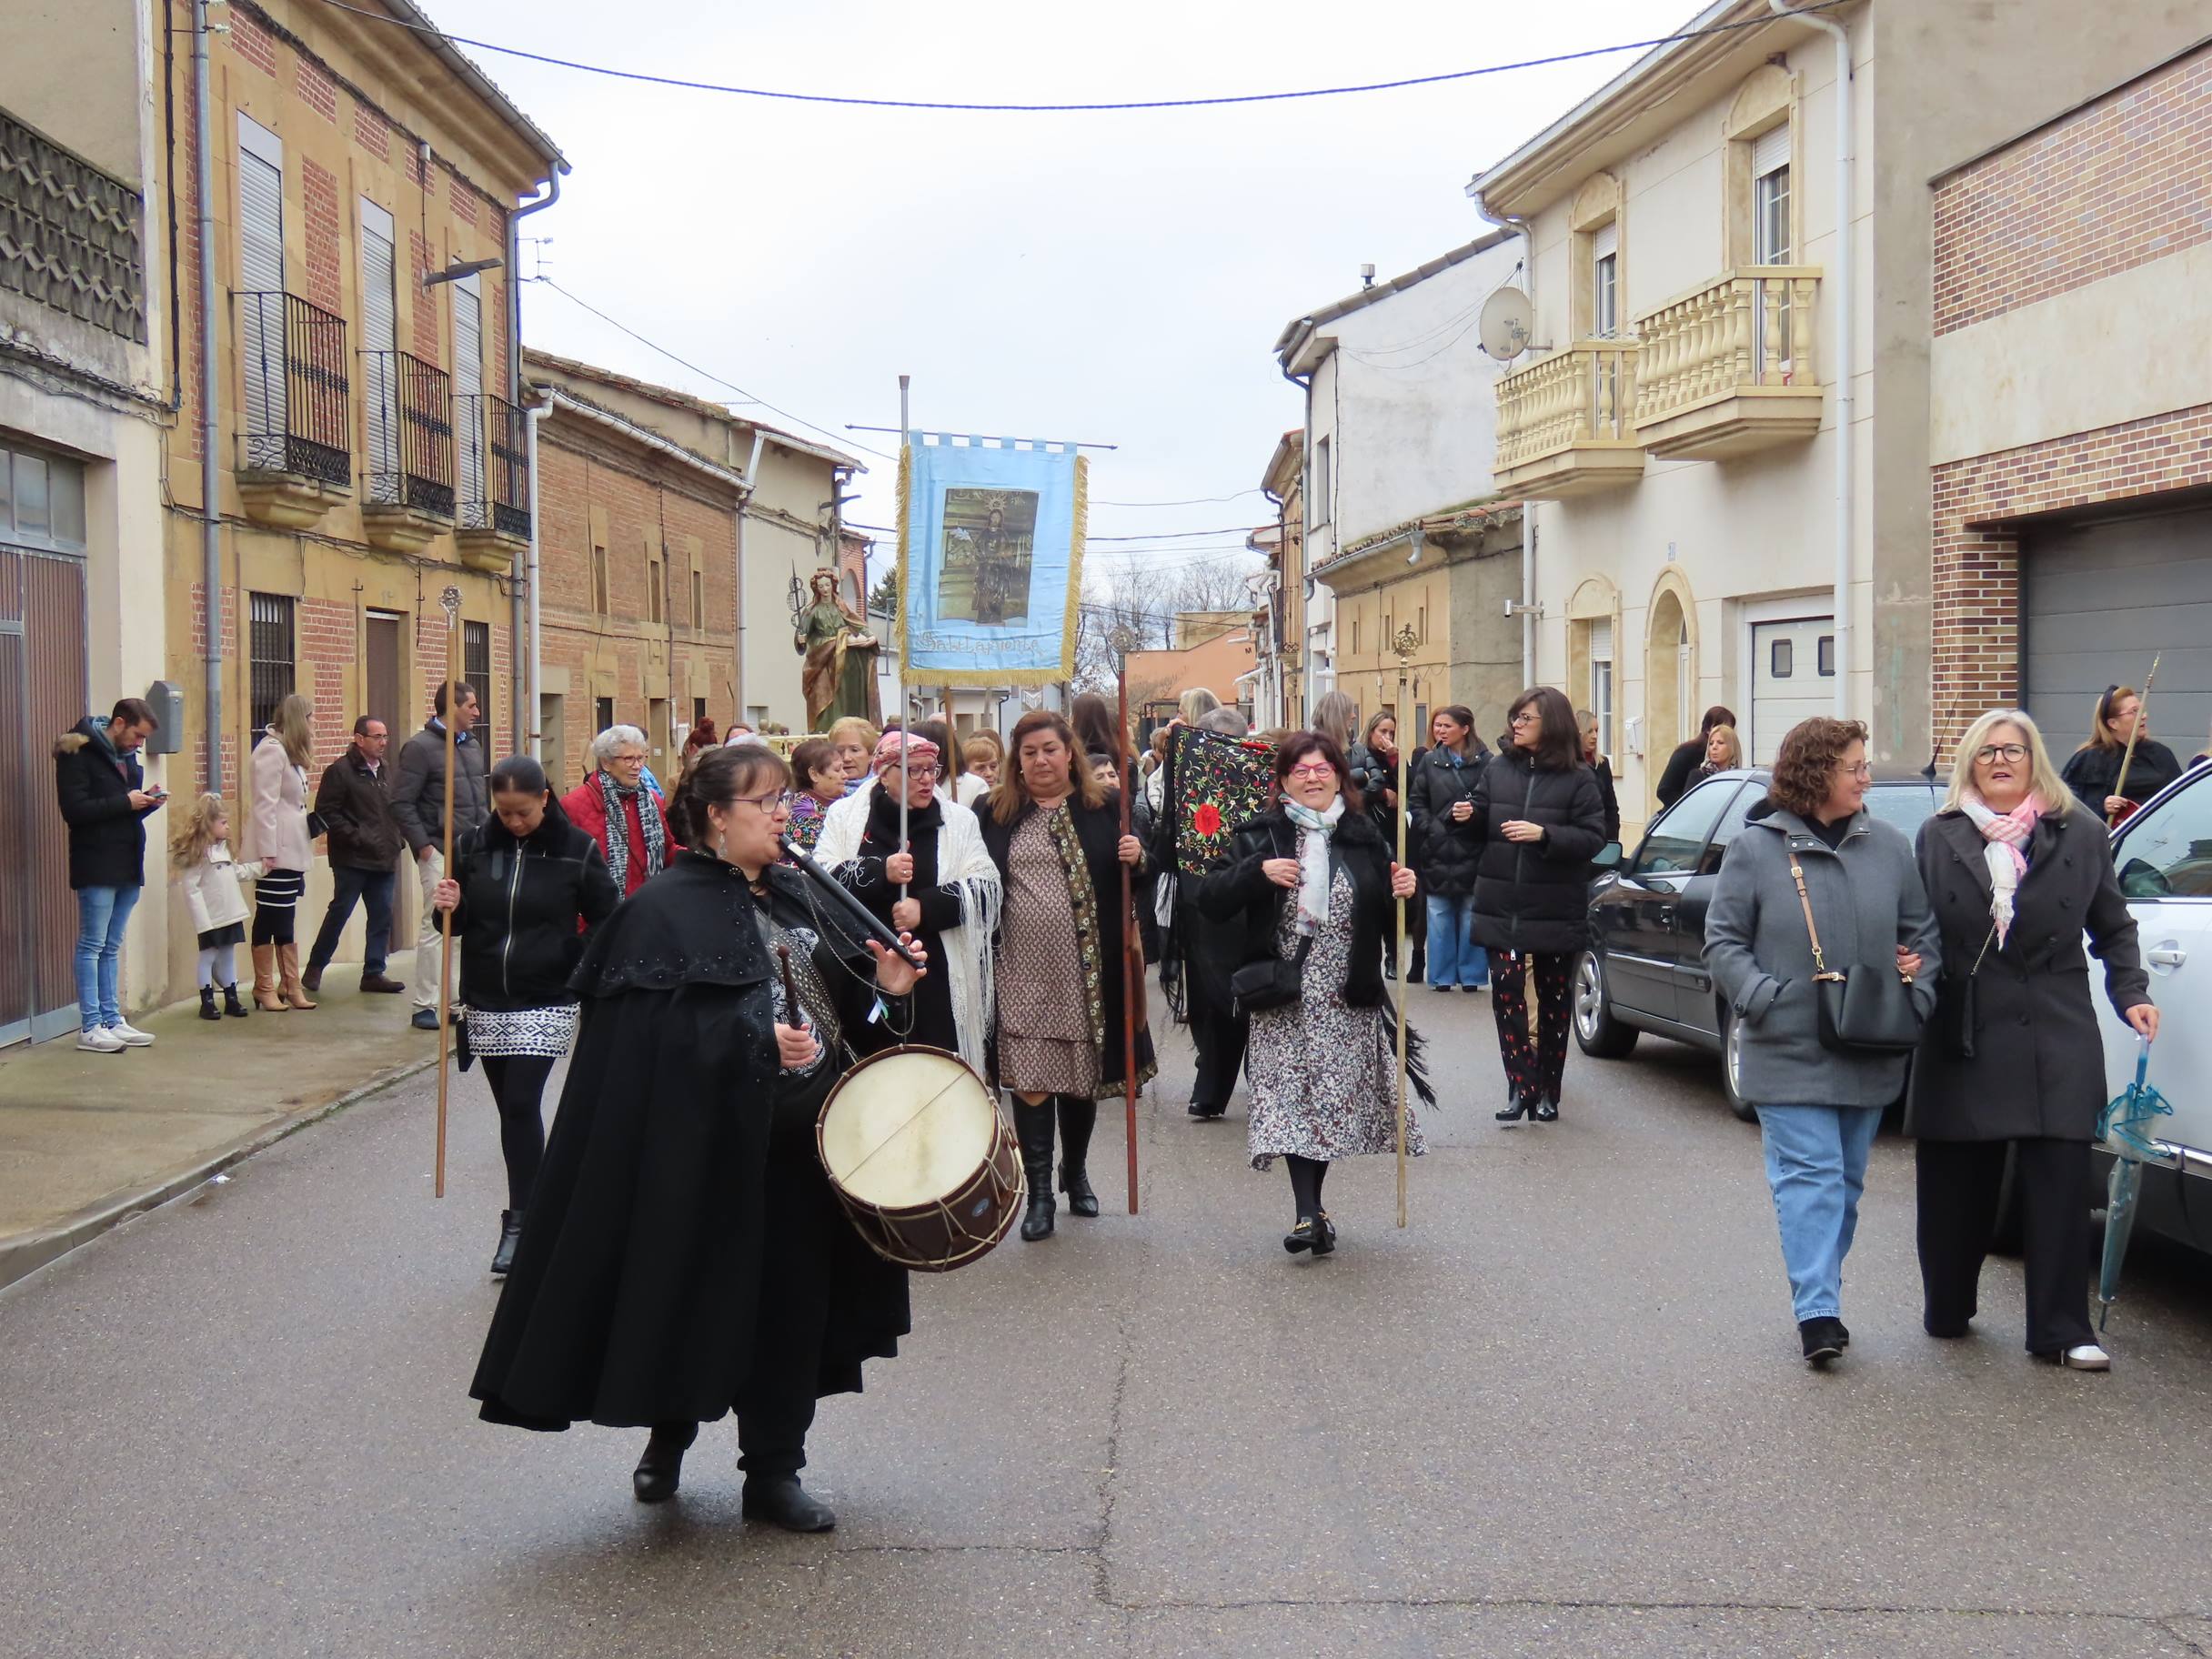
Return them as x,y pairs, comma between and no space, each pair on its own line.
1535,1062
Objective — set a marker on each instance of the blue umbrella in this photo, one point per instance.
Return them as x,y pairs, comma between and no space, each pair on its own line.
2121,1127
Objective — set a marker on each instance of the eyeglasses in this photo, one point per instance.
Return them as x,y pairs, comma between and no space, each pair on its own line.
1855,768
1319,770
770,805
921,771
1527,717
2001,751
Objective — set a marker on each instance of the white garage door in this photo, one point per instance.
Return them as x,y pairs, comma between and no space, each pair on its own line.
2101,599
1793,678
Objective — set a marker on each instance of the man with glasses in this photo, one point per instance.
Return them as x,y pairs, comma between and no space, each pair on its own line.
354,800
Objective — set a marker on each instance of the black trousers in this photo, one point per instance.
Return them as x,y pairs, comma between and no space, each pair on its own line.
1219,1038
1959,1183
518,1089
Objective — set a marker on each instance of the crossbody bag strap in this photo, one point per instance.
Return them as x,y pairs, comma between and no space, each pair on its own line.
1805,902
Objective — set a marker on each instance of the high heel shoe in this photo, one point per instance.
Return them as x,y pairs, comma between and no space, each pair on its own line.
1546,1111
1515,1107
1300,1237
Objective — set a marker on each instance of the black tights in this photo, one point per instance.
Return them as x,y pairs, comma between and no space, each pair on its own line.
517,1084
1306,1176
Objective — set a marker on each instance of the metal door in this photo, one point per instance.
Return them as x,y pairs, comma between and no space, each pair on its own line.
42,696
381,699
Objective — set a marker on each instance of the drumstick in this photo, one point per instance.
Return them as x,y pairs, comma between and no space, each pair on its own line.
790,990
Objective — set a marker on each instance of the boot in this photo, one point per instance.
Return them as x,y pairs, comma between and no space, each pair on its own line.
1515,1104
207,1009
1078,1118
287,960
265,980
782,1502
1546,1110
235,1009
1033,1129
313,977
511,1236
662,1469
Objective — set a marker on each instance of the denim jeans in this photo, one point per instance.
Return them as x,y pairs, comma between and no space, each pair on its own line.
1816,1166
348,885
102,914
1455,959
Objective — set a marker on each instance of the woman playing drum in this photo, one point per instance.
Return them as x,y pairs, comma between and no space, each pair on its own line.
686,1256
1055,834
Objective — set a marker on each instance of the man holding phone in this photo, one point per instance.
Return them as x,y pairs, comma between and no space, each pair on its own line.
104,800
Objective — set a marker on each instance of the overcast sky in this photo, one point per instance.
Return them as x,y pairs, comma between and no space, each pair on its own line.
1117,278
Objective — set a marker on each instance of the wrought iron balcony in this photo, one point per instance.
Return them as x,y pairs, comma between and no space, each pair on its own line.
410,435
494,466
296,420
1565,423
1728,369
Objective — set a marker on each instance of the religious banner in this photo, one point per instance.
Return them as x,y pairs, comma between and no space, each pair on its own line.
1214,783
990,554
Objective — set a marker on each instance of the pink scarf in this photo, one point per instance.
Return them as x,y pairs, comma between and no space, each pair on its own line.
2007,833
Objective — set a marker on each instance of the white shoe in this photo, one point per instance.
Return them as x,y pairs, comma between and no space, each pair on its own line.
2089,1356
99,1040
130,1035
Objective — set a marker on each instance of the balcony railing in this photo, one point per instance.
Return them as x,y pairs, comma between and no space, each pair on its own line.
1741,347
494,466
410,434
298,416
1564,422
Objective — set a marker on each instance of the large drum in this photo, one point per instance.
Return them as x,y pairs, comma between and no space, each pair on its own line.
920,1158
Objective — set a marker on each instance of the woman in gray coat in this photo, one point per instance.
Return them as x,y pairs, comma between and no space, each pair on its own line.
2017,869
1818,1108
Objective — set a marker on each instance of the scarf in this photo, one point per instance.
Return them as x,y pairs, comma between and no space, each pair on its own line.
2007,833
613,795
1313,859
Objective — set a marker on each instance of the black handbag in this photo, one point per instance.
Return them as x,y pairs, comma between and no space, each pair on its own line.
1954,1008
1272,982
1864,1012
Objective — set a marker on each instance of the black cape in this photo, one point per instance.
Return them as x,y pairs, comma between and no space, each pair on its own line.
635,1293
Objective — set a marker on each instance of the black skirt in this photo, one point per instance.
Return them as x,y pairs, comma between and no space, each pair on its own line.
215,938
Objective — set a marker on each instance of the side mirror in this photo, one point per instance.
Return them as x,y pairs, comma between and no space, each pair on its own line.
1607,857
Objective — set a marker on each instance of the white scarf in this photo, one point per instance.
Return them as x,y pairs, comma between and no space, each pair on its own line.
1313,859
2003,834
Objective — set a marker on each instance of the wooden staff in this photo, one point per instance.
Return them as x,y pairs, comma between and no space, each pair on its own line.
451,601
1132,967
2134,730
1405,642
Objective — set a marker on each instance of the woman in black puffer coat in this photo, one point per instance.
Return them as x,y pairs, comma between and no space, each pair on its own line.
1540,819
526,886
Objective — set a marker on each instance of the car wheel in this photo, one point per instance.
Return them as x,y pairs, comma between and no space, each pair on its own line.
1600,1034
1731,1066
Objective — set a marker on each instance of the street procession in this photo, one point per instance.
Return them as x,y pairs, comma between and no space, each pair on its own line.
1505,969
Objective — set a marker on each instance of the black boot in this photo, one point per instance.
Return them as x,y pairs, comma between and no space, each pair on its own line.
235,1009
662,1469
511,1236
207,1008
1515,1105
781,1501
1078,1118
1033,1129
1546,1110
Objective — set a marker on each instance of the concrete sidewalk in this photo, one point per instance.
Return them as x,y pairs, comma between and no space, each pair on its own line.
88,1140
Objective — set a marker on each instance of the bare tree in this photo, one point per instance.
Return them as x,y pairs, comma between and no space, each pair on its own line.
1144,597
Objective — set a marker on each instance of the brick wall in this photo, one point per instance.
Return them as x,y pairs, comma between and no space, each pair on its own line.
229,610
251,42
372,133
319,189
466,203
316,90
328,647
2118,183
424,337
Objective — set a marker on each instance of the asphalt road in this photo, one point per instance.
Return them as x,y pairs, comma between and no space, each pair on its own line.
1562,1414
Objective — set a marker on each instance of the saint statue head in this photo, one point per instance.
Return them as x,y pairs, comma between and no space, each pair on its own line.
825,585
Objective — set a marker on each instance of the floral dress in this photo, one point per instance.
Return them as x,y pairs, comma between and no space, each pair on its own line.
1323,1077
1048,1043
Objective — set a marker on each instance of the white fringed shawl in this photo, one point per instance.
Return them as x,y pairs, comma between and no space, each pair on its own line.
965,952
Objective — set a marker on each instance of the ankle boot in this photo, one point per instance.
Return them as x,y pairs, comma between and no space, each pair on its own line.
289,988
207,1008
662,1469
265,980
1546,1110
1033,1129
1078,1118
231,1005
511,1236
1515,1105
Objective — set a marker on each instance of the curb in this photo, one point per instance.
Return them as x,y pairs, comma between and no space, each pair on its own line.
25,1253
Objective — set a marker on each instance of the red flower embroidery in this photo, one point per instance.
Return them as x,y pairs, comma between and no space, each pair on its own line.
1207,818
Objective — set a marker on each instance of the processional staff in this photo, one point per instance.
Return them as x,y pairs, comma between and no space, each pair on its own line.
450,601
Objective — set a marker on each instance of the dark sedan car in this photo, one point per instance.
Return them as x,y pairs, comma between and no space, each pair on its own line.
1646,968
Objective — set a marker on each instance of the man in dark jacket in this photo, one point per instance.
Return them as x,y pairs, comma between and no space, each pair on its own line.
105,801
418,803
355,804
1443,792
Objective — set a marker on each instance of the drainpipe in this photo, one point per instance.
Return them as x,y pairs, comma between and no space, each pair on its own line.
745,502
1846,307
1304,382
527,738
211,477
1529,610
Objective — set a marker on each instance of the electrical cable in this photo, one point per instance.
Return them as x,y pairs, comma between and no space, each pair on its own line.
1193,501
929,104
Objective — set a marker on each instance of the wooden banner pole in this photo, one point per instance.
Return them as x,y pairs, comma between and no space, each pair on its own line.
1404,643
451,600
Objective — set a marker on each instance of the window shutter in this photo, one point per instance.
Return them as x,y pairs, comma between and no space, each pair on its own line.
261,343
1770,151
1605,241
379,334
1601,639
469,387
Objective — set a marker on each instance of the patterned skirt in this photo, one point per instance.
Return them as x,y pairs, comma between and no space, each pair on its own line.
547,1033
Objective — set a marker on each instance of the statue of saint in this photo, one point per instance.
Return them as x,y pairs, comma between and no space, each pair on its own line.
838,677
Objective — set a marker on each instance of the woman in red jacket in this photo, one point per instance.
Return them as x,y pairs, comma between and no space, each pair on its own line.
618,793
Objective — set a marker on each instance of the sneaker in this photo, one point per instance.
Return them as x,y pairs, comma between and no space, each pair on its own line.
99,1040
2085,1356
130,1035
425,1020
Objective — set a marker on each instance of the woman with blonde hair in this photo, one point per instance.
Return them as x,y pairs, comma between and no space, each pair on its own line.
2013,1062
284,846
1724,753
855,741
1195,704
2093,770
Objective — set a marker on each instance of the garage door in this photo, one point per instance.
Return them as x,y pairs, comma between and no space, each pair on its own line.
1792,679
2101,599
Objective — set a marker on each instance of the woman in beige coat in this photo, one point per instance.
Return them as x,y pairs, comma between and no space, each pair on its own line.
277,771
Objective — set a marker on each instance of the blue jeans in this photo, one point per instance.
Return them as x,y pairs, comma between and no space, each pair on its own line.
347,886
1816,1165
102,914
1455,959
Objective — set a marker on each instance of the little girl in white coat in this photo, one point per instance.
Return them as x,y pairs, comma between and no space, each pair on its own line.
213,883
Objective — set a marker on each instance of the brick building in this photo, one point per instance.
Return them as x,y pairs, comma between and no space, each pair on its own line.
2072,531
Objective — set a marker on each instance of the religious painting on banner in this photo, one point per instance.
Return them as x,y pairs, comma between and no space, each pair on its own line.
991,544
1214,783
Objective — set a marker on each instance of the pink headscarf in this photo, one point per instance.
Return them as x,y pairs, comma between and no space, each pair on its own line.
917,749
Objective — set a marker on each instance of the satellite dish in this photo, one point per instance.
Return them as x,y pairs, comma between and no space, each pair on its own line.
1509,322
